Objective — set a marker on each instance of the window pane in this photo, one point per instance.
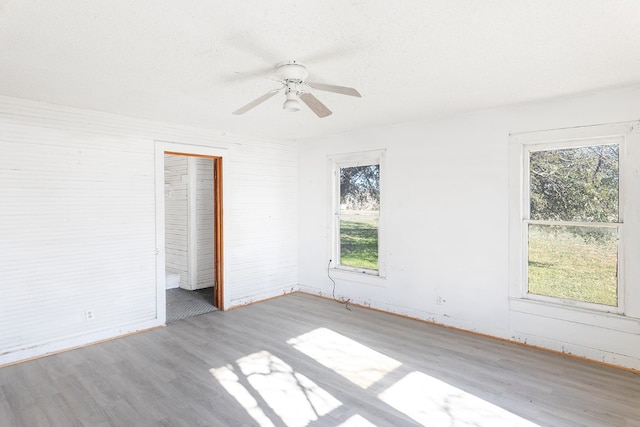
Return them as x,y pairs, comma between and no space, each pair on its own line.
359,215
574,262
360,188
359,241
575,184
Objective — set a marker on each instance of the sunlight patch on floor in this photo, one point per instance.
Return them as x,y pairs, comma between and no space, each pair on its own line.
356,421
295,398
358,363
230,381
432,402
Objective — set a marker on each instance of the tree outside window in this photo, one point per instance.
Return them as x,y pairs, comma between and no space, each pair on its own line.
358,216
574,223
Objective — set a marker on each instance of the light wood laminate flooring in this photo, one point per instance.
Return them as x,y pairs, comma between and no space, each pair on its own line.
300,360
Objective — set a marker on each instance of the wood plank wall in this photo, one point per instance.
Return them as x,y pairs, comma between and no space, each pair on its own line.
176,214
77,220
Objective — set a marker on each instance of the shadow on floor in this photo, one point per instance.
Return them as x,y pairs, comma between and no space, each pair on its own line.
182,303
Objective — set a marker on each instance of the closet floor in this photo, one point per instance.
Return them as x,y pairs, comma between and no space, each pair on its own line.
182,303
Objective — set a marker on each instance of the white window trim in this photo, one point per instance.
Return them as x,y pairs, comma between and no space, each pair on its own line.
627,135
350,160
558,145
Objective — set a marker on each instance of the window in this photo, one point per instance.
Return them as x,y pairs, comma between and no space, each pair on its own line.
572,221
357,237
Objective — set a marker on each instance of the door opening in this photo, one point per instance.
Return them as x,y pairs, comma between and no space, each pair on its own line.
193,234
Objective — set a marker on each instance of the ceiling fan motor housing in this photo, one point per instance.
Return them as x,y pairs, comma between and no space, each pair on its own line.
292,71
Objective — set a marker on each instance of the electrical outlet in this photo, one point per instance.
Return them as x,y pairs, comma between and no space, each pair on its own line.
88,315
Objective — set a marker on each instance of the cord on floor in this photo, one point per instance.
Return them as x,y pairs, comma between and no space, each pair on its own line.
333,293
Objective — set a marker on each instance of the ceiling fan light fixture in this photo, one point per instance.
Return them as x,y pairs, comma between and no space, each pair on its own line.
291,105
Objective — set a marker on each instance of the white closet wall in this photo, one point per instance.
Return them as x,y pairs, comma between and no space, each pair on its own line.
189,220
204,223
176,179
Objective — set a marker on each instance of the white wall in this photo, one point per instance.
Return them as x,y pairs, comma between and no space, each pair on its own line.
176,210
79,208
79,203
446,224
204,215
189,220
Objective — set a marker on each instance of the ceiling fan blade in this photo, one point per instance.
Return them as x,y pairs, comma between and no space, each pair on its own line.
336,89
316,106
256,102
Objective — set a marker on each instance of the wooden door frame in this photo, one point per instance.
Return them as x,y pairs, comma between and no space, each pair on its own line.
216,154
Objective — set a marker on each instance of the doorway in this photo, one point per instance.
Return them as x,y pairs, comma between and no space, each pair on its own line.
193,234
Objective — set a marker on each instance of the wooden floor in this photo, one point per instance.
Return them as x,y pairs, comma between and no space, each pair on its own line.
300,360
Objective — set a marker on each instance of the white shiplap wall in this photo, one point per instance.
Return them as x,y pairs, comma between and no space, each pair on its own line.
74,209
257,212
78,211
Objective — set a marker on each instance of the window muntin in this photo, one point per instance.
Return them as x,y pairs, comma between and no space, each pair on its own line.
573,223
358,217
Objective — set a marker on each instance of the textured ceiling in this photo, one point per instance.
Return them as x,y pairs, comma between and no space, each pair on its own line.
178,61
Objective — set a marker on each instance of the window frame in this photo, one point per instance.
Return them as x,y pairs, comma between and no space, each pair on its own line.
618,140
522,304
336,162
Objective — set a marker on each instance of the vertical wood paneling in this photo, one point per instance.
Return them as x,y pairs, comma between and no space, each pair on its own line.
189,220
204,223
77,223
176,213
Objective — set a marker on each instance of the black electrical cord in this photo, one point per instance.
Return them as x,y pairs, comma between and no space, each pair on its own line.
333,292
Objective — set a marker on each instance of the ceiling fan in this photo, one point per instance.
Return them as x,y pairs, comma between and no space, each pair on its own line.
292,76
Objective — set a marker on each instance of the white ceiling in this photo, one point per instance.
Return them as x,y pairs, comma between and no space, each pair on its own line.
177,61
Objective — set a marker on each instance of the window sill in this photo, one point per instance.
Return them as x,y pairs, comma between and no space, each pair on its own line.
574,304
357,276
597,318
